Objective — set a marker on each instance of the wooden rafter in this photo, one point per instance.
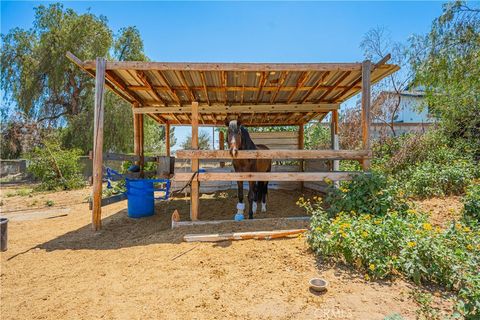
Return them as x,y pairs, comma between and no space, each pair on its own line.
358,79
224,86
146,81
169,88
185,86
204,83
338,81
320,81
118,82
301,80
263,80
281,81
244,80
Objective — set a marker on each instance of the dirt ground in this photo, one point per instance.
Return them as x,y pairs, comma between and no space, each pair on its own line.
56,267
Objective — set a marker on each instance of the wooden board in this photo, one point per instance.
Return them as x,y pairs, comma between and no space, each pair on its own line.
259,235
275,154
267,176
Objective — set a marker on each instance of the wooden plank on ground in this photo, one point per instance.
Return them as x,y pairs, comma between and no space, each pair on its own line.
267,176
275,154
177,223
258,235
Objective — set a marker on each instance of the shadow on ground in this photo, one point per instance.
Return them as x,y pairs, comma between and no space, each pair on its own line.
120,231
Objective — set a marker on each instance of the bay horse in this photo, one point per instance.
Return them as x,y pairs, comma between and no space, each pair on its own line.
239,139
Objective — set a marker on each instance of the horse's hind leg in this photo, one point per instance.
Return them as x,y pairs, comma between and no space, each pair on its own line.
251,196
263,194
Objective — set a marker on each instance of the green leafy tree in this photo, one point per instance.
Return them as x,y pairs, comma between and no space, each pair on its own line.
447,63
203,141
46,88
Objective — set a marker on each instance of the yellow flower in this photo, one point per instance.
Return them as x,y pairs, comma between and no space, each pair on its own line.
438,229
427,226
467,229
371,266
367,217
378,221
469,247
328,180
411,244
343,234
344,190
364,234
411,211
367,277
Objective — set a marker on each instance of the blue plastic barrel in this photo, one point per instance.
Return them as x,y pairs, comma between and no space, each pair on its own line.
141,202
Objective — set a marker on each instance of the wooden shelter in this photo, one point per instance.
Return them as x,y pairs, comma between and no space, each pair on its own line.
260,94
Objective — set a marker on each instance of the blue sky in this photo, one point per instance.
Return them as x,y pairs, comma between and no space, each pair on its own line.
248,31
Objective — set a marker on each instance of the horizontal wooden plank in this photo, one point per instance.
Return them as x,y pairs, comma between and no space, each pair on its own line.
274,135
267,176
260,108
124,157
274,154
177,224
259,235
200,66
268,141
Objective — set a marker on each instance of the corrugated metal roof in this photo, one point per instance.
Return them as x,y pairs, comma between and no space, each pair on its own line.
254,86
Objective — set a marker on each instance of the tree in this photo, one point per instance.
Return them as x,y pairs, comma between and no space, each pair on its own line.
37,76
203,141
376,44
46,88
447,63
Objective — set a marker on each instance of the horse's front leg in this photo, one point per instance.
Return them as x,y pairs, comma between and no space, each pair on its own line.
240,204
251,197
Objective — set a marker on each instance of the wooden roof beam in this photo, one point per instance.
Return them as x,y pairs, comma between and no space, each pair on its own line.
320,81
339,80
358,79
248,109
144,78
281,81
263,79
199,66
204,83
301,80
170,89
112,77
130,99
185,85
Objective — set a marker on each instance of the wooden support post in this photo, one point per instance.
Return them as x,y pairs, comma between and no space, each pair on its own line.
194,194
335,142
366,100
167,139
221,145
98,144
301,146
138,135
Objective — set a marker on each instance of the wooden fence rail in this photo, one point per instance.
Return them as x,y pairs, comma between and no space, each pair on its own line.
266,176
276,154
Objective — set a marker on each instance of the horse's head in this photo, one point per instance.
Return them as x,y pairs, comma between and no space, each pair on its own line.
234,136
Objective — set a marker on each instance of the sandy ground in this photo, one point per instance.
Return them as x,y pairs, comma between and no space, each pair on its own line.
56,267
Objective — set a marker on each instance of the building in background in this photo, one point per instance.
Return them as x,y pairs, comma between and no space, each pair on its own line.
407,117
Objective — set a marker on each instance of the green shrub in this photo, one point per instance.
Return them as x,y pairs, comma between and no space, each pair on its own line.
401,242
55,167
471,202
436,178
366,193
